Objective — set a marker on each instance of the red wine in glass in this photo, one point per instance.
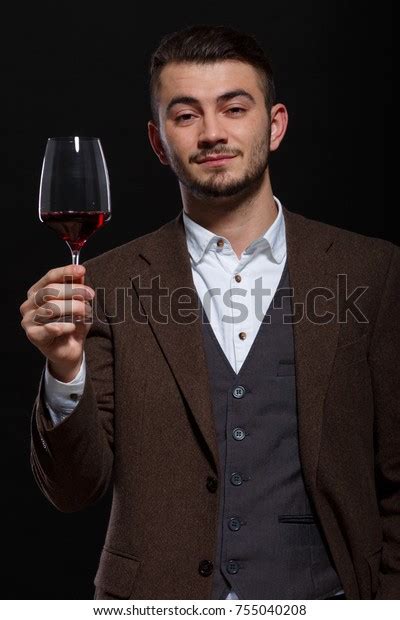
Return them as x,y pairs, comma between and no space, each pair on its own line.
75,227
74,197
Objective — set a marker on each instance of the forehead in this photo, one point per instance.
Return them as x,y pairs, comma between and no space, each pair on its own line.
207,81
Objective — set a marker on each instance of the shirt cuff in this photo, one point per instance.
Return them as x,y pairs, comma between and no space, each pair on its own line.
61,398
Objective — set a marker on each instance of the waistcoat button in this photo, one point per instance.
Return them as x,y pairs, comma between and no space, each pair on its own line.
232,567
239,391
236,479
238,434
234,524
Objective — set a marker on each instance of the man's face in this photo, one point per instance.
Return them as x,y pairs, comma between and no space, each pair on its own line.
209,111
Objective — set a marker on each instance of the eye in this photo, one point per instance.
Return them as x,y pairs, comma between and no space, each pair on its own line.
236,111
184,117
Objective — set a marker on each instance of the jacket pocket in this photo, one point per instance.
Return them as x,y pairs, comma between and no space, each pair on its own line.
286,368
296,518
116,573
374,562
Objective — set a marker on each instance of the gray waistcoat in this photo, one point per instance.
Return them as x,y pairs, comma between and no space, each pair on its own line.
270,545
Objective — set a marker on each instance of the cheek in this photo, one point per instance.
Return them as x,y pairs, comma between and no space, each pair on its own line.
181,142
248,135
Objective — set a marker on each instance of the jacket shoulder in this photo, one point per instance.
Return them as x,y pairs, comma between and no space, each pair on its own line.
349,244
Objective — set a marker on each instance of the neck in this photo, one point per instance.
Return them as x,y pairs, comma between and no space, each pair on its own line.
240,219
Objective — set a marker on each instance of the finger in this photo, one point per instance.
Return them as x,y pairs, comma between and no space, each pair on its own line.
62,291
57,291
57,309
64,274
36,316
45,334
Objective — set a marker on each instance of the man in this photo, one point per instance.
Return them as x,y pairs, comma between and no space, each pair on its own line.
253,444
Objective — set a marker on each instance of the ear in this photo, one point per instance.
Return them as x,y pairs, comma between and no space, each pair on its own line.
279,122
155,141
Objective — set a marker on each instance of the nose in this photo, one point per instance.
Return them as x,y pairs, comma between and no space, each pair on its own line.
212,132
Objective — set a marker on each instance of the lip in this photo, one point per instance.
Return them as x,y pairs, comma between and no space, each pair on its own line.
216,161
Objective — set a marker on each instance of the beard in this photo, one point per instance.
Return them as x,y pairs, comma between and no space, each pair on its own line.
220,184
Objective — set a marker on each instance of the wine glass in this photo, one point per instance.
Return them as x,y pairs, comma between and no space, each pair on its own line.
74,196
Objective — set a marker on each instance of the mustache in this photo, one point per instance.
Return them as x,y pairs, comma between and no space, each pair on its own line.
213,153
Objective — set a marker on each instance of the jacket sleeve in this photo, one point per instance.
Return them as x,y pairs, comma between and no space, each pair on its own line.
385,365
72,462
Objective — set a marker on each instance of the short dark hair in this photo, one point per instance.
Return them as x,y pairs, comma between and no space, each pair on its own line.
204,44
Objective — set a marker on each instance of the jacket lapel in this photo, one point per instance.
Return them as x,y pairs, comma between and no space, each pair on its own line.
165,259
315,338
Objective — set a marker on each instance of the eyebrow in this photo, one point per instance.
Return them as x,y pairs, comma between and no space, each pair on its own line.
239,92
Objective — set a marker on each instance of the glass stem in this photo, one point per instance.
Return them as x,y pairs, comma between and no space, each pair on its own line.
75,257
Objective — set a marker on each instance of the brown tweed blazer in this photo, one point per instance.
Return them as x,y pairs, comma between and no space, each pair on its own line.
145,425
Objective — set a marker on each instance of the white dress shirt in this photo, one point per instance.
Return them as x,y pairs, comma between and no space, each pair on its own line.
236,292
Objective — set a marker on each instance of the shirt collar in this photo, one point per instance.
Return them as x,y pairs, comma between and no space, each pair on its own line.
200,240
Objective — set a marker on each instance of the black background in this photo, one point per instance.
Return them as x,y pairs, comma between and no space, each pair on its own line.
70,69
